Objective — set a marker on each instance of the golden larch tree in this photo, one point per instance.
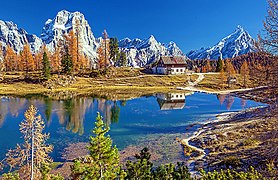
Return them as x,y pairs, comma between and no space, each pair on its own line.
85,62
55,60
222,77
2,65
103,52
230,68
10,59
74,49
30,156
20,64
208,66
77,29
244,72
72,44
106,48
230,71
101,57
38,60
27,59
204,69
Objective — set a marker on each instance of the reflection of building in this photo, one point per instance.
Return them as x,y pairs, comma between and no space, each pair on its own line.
171,100
170,65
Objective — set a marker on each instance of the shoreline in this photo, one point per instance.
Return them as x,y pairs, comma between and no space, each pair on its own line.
192,88
124,87
112,92
206,127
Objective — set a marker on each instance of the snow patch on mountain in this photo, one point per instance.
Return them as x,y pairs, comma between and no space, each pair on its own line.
16,37
55,29
235,44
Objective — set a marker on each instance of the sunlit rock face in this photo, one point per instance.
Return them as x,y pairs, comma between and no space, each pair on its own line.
235,44
11,35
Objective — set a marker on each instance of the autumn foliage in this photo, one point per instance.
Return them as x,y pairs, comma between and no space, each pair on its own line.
30,156
27,59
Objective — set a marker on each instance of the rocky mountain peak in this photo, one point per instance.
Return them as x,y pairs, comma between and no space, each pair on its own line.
237,43
142,52
16,37
239,28
62,23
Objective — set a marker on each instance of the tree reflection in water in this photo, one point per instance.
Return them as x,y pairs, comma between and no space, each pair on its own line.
10,105
110,110
227,99
71,112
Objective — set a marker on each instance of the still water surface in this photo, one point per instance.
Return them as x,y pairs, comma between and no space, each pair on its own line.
70,121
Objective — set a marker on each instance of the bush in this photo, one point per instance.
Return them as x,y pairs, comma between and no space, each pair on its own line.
231,161
249,142
10,176
252,174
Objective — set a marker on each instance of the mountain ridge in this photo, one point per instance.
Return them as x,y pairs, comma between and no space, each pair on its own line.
140,52
237,43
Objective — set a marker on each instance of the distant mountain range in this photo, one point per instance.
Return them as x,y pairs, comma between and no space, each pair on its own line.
235,44
139,52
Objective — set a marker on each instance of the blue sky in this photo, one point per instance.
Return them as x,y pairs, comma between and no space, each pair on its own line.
192,24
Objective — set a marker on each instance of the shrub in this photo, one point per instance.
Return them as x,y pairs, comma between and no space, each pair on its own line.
252,174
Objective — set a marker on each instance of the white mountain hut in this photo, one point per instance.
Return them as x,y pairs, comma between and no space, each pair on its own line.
170,65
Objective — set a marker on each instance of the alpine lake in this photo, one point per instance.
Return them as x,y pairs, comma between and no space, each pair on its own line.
155,121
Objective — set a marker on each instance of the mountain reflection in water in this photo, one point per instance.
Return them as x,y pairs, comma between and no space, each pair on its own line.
71,112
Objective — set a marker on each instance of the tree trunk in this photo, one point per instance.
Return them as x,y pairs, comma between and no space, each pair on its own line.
32,154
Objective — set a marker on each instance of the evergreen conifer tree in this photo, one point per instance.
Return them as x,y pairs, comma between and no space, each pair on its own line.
122,59
67,64
219,65
115,113
170,171
103,161
114,50
46,66
141,169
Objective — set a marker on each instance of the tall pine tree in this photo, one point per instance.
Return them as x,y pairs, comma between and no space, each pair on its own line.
103,162
141,169
114,50
46,66
219,65
67,64
122,59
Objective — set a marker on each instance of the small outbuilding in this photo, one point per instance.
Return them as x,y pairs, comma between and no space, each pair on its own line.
170,65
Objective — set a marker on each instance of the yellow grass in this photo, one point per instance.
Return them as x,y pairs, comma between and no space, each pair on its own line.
112,88
213,82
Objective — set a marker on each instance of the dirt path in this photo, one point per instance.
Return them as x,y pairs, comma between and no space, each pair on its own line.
191,162
140,76
191,86
199,79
